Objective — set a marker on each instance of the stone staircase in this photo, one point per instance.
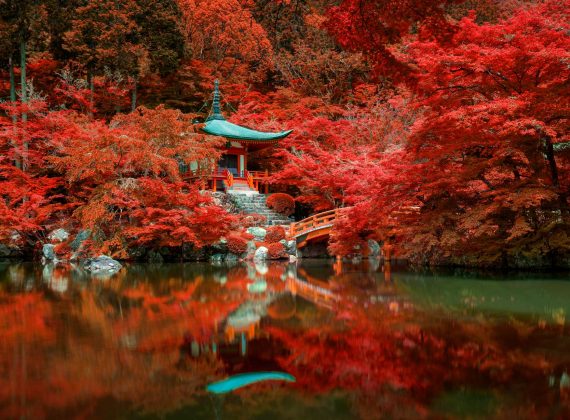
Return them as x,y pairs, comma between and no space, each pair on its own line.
250,201
241,187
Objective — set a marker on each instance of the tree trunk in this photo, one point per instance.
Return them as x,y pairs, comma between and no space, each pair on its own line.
549,152
551,159
91,92
134,97
24,88
14,117
12,80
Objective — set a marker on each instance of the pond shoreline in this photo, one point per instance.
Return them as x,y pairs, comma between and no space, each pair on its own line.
395,264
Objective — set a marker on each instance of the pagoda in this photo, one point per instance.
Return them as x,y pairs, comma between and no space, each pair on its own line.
232,171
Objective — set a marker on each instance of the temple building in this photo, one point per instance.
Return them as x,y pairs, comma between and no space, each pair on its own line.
232,170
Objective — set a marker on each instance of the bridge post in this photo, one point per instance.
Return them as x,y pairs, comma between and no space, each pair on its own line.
230,334
387,269
251,332
387,250
337,266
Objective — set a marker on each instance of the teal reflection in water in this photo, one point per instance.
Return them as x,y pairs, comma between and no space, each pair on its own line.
244,379
360,341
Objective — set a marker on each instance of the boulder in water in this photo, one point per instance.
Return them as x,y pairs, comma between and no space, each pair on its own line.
9,251
258,233
250,250
373,248
217,258
48,251
102,265
58,235
290,246
81,237
261,254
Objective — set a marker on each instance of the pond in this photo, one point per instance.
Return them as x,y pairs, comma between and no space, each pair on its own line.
358,341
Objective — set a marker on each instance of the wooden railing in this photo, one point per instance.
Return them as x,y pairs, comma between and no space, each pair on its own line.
259,174
255,175
249,178
229,179
258,177
315,293
257,180
320,223
315,222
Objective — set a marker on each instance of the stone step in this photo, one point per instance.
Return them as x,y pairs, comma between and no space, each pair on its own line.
257,209
257,204
267,214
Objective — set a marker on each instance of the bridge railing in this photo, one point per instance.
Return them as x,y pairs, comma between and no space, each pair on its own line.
314,222
327,219
315,293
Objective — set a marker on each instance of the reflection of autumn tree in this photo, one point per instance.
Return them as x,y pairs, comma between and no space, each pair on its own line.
129,339
114,338
25,326
387,356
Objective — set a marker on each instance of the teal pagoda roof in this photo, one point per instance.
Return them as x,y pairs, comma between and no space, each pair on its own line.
233,131
217,125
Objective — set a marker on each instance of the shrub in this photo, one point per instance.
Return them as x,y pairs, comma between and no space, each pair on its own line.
275,234
247,236
62,249
237,243
254,219
276,251
281,203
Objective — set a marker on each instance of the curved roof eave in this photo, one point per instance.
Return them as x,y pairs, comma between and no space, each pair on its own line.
229,130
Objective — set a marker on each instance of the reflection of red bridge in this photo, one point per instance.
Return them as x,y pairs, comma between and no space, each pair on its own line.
313,290
310,289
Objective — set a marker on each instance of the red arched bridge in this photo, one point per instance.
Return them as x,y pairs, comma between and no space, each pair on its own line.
314,227
319,226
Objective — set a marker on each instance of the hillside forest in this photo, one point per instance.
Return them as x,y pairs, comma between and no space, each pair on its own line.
440,125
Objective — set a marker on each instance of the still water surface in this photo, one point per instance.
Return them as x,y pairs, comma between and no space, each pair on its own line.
360,340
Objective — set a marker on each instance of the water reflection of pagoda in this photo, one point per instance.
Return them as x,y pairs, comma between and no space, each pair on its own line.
276,298
244,324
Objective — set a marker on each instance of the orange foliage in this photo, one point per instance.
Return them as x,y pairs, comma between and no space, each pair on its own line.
276,251
132,189
237,243
275,234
